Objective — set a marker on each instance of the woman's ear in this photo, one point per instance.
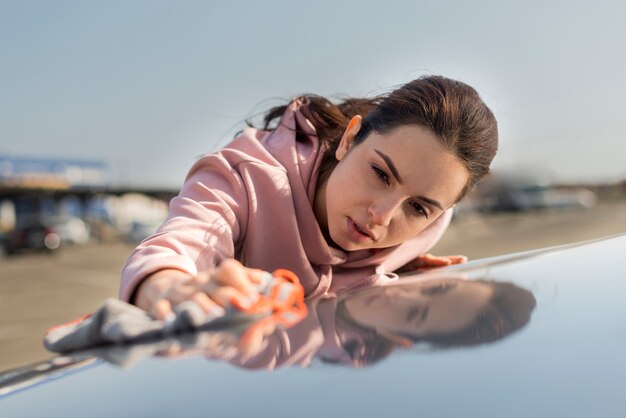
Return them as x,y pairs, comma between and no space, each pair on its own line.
347,140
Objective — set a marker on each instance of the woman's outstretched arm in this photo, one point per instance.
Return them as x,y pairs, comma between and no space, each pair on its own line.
205,223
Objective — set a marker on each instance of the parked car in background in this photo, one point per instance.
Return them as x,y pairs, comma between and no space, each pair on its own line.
141,230
32,233
71,229
4,240
46,233
513,198
516,192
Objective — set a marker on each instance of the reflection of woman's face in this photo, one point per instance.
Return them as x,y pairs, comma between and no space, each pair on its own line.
419,309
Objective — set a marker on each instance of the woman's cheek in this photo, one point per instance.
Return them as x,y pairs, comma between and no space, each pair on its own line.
407,229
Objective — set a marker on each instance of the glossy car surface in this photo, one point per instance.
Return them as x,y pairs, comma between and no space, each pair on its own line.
562,357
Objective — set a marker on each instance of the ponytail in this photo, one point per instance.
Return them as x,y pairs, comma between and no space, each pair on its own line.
329,119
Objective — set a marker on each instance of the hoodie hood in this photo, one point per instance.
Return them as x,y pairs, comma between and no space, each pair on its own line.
296,146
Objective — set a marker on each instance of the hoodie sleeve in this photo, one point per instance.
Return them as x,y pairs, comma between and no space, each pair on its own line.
205,222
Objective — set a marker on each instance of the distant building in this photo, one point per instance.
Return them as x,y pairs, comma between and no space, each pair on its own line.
48,186
52,174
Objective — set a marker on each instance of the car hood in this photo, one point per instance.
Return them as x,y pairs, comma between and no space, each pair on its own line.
553,348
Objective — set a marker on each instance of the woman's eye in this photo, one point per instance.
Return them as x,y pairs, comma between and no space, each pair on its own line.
381,174
417,313
413,313
419,209
438,289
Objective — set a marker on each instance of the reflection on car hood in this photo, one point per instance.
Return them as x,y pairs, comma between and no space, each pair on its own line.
531,334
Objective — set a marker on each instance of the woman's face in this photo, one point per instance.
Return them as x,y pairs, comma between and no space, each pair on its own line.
388,188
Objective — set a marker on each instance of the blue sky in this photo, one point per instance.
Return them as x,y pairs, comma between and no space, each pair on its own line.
147,86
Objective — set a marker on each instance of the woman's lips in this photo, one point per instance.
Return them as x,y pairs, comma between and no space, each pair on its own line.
358,233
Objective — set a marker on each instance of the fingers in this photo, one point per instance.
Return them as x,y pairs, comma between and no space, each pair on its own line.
232,282
229,284
225,296
162,310
213,304
192,293
151,289
233,273
457,259
208,305
430,261
251,342
435,261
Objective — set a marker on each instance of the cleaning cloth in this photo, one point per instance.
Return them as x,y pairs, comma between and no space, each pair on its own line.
117,322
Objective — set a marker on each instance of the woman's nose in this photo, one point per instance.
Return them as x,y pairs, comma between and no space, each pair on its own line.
381,212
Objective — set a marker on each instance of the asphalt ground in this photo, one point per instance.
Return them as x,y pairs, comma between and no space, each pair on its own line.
38,291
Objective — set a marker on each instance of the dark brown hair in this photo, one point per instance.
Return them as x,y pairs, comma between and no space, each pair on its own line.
508,310
452,110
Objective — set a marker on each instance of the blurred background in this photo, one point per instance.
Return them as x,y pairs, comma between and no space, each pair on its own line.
106,105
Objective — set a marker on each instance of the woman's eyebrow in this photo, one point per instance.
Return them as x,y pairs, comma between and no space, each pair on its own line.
390,164
395,173
431,201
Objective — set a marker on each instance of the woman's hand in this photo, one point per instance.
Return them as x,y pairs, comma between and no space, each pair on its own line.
427,261
212,290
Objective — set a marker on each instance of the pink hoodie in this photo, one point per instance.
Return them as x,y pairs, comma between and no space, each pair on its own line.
252,201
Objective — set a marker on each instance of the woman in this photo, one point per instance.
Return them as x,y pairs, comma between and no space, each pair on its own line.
343,195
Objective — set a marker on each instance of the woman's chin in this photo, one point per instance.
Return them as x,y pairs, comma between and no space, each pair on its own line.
347,245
